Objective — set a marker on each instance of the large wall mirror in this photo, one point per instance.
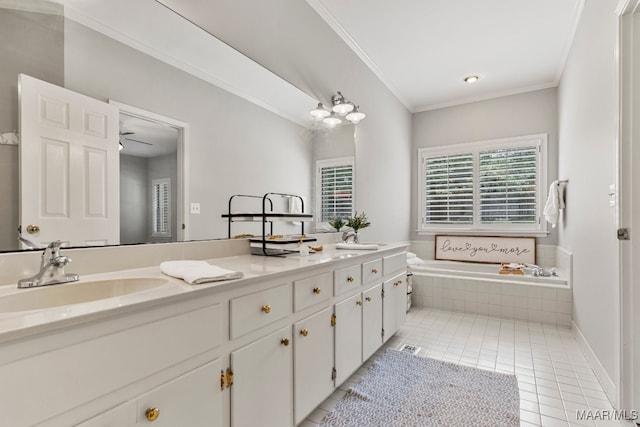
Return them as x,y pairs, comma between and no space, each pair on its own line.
248,129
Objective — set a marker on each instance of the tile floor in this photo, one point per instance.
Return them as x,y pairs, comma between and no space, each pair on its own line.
554,378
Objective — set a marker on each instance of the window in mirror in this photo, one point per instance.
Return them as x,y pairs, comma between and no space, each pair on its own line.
161,217
335,187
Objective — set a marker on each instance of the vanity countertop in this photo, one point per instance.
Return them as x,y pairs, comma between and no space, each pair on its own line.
17,324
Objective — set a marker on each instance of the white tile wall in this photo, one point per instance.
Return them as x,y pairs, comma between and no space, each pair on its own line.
505,300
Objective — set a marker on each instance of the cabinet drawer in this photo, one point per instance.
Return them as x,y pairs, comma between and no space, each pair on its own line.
395,262
371,270
347,278
312,290
256,310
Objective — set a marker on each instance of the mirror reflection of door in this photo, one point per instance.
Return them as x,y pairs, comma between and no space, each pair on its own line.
148,180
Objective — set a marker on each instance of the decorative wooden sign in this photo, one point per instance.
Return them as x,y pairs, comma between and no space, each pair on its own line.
490,250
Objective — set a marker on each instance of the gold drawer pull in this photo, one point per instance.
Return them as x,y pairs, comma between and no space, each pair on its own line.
359,302
304,332
368,299
284,342
266,309
316,291
375,270
152,414
350,279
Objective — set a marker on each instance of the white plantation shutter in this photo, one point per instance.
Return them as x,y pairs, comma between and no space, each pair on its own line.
335,189
507,181
487,186
448,189
161,211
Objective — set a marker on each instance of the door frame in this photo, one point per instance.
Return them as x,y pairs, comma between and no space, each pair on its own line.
183,160
628,12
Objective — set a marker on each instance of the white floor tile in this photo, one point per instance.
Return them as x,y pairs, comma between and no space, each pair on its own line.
554,378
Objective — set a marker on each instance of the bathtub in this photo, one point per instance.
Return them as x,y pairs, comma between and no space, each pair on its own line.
479,289
484,272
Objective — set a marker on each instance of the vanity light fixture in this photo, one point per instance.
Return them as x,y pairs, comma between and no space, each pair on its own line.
471,79
120,146
341,107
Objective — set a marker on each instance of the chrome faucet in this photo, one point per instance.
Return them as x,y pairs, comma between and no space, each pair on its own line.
51,269
350,235
538,271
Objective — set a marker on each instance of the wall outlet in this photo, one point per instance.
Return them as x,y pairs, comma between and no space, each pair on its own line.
195,208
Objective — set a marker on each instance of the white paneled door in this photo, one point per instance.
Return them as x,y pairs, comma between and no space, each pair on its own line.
69,166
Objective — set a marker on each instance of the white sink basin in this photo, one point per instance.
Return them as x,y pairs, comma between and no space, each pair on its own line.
76,293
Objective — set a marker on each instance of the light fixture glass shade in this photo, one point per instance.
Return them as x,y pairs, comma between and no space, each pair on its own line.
471,79
319,112
355,116
332,121
340,104
120,146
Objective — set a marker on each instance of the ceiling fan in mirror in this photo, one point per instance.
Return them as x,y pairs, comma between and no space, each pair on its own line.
124,136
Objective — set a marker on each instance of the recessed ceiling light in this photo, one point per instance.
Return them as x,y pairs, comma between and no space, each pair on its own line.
471,79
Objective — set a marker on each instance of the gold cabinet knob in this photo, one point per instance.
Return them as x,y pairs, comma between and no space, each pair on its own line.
399,282
359,302
304,332
316,291
266,309
368,299
152,414
375,270
33,229
350,279
284,342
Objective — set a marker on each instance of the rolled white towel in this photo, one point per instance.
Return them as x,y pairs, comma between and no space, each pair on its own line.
197,272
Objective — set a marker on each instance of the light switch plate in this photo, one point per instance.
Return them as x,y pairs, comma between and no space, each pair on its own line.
195,208
612,195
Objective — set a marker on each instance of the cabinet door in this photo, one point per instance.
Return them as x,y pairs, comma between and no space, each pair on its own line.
262,390
193,399
312,362
348,337
120,416
394,305
371,321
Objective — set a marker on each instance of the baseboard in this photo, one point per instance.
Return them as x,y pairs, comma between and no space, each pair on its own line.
608,386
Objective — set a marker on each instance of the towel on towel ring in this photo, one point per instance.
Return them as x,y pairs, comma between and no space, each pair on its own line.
555,202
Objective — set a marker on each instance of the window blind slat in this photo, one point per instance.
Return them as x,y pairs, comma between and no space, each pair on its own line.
336,192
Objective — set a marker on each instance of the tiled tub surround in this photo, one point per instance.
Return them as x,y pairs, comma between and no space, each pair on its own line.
479,289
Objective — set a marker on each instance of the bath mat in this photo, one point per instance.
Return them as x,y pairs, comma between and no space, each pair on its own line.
401,389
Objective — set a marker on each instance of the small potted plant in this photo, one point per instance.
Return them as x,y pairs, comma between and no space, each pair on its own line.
337,223
357,222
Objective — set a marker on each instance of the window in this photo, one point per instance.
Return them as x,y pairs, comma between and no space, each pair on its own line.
488,186
161,208
334,189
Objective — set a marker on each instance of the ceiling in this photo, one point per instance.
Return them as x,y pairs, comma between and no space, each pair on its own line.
146,138
423,49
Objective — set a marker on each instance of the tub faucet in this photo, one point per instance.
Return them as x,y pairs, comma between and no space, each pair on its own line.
350,235
51,269
540,271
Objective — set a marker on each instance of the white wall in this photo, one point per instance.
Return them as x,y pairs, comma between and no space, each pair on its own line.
522,114
133,200
587,104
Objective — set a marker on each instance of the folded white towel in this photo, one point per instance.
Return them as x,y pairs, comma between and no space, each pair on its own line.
295,207
554,204
197,272
357,246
